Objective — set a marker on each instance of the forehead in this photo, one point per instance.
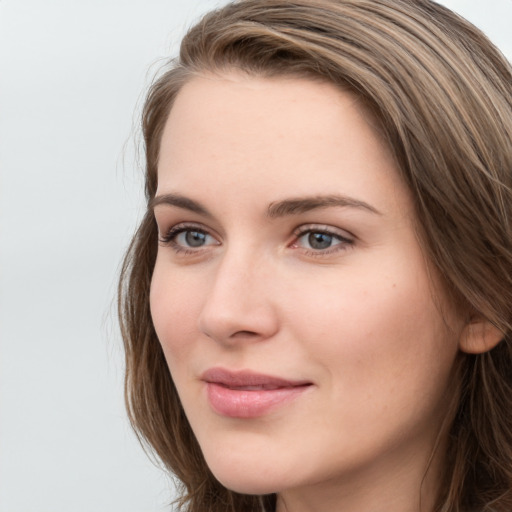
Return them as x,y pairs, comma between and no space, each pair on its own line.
242,111
237,130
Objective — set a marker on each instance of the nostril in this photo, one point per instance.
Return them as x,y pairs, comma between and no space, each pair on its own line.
244,334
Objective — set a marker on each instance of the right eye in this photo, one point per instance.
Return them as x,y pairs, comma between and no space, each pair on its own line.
187,238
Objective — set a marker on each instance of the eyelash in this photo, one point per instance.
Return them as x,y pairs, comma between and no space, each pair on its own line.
344,241
169,239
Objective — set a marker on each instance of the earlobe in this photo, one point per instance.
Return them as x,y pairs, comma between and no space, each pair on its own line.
479,335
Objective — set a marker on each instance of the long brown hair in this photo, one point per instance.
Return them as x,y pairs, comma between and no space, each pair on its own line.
442,95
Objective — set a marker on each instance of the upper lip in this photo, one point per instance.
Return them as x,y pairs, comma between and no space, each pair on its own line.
245,378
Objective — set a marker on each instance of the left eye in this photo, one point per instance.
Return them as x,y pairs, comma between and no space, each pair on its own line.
320,240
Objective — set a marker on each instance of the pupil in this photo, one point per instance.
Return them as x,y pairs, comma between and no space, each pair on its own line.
319,240
194,238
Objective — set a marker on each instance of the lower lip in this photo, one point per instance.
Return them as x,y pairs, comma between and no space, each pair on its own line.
238,403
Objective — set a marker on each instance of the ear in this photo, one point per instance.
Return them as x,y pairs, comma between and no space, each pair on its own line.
479,335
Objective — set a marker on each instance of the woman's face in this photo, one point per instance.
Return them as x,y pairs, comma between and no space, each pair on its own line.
290,293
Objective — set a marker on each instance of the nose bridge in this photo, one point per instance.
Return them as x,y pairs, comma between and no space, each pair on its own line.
238,301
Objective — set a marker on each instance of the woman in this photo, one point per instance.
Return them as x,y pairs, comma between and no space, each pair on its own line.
316,307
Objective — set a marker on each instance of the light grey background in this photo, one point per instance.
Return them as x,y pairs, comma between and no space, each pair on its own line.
72,75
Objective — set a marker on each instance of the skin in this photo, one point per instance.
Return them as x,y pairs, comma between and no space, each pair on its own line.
358,319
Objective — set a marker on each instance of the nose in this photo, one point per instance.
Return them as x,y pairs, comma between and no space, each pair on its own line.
239,304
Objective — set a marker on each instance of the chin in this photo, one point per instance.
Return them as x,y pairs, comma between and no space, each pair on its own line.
248,476
247,485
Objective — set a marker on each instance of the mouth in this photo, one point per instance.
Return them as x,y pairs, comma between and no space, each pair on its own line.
246,394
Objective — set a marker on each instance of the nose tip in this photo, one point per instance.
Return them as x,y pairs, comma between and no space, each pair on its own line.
238,307
228,322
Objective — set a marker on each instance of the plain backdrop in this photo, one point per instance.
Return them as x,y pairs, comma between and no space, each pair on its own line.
72,78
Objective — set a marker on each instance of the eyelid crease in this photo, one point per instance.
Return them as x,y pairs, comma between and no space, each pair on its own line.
325,229
297,232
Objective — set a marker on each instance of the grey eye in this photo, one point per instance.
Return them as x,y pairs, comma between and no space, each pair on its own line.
319,241
191,239
194,238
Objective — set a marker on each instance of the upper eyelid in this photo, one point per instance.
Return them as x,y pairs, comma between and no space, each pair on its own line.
323,228
183,225
166,223
298,231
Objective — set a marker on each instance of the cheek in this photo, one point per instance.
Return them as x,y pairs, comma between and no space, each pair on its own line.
174,310
375,329
385,362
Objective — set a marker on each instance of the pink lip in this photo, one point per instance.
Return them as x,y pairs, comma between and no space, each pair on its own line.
245,394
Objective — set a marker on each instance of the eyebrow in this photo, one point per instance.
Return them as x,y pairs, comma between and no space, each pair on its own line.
180,202
300,205
293,206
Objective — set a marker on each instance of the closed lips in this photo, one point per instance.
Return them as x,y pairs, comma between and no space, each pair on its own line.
247,395
247,380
